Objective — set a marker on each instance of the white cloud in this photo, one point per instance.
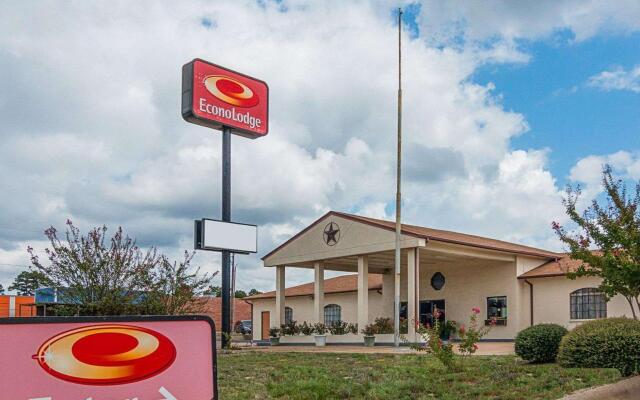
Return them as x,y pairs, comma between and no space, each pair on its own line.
92,128
617,79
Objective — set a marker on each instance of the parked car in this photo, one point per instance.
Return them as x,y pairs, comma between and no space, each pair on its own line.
243,327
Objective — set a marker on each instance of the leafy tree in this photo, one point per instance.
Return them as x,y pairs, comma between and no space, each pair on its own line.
240,294
113,276
1,290
253,292
26,283
178,289
608,239
215,291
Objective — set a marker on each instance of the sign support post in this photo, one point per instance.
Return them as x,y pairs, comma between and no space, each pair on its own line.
226,100
226,217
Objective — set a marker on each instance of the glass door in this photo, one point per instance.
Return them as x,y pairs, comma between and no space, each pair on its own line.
428,308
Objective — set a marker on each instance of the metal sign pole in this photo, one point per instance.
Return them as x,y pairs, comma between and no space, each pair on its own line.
226,255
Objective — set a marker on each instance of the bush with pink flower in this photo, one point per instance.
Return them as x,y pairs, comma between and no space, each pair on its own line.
469,337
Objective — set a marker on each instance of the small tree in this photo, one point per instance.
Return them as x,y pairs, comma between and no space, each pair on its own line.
215,291
253,292
1,290
26,283
608,239
113,276
178,289
240,294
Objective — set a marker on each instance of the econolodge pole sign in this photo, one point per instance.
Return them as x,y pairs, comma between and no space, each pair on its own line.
108,358
218,97
235,103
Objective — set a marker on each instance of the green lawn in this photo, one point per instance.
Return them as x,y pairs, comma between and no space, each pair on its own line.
264,375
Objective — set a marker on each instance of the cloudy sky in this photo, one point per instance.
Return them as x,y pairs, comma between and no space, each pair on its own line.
505,104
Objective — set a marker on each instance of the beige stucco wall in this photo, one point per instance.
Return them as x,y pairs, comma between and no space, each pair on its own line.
468,287
303,308
355,238
551,300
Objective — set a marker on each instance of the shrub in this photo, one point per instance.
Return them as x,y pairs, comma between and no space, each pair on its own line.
274,332
603,343
352,328
319,328
338,328
539,343
383,325
290,329
471,335
369,330
306,329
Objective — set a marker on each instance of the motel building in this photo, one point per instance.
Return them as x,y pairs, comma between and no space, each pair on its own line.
453,272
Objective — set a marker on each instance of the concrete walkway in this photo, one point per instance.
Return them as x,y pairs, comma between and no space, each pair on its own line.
626,389
484,349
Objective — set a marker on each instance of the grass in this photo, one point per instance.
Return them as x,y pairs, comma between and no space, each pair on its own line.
265,375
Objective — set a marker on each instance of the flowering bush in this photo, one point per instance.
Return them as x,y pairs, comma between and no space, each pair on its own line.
435,345
471,335
443,351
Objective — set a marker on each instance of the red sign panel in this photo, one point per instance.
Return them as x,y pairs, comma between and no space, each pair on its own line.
217,97
144,358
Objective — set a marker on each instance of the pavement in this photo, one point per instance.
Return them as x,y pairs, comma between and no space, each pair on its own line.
484,349
626,389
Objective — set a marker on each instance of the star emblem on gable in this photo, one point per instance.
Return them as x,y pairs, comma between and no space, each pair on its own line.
331,233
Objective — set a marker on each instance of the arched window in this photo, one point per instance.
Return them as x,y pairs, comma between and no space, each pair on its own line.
288,315
587,303
332,314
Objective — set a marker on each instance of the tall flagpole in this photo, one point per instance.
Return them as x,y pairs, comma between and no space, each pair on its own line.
396,314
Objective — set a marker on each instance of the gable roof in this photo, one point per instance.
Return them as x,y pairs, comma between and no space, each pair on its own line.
436,235
339,284
559,267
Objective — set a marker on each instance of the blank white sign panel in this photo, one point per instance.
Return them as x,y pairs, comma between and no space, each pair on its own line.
229,236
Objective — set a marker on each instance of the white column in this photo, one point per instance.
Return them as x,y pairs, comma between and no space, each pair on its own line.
279,317
417,284
318,293
387,293
363,292
411,293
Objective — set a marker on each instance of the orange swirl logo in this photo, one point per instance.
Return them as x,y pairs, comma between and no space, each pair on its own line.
231,91
106,354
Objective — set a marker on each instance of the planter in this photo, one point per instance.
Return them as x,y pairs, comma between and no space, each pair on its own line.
274,341
321,340
369,341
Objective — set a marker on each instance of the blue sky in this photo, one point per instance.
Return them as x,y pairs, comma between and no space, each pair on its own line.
564,113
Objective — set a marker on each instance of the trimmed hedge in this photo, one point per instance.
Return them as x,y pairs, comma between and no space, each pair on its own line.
603,343
539,343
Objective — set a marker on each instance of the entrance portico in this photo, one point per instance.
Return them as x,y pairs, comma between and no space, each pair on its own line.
474,269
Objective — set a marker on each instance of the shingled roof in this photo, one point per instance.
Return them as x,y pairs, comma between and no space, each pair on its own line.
438,235
340,284
558,267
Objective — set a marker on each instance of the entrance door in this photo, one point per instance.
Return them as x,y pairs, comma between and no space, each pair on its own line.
265,317
428,307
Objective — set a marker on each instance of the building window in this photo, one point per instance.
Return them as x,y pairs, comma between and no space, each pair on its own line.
288,315
332,314
497,307
587,303
437,281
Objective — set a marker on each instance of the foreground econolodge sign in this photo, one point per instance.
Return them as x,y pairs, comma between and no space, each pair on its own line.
218,97
111,358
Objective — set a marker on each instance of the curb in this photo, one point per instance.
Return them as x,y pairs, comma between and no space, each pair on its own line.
626,389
